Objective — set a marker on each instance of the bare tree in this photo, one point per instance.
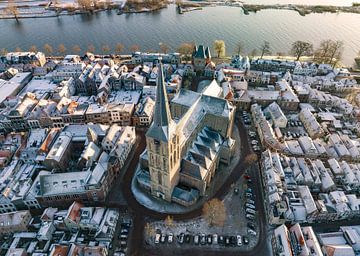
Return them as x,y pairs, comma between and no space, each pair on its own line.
135,48
33,48
119,48
169,221
3,51
106,49
249,159
219,46
301,48
329,52
186,49
18,49
253,53
76,49
214,212
48,49
239,48
264,49
87,5
62,49
164,48
91,48
149,229
12,9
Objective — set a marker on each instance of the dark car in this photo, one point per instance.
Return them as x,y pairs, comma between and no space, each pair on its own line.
233,240
187,238
202,239
251,225
181,238
245,240
209,239
221,240
227,240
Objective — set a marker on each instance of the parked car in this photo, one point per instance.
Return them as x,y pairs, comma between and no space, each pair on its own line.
196,239
233,240
187,238
236,191
157,238
239,242
170,238
227,240
249,181
249,201
250,216
251,206
251,211
251,232
163,238
209,239
249,190
181,238
248,195
221,240
247,177
215,238
202,239
251,225
245,240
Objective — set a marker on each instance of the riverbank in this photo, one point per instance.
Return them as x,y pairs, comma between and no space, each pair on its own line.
301,9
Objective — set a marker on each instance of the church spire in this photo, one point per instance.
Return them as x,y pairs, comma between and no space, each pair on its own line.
162,117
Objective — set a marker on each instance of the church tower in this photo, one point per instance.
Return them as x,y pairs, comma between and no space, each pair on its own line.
162,144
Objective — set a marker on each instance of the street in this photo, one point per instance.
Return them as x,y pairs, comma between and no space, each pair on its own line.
139,212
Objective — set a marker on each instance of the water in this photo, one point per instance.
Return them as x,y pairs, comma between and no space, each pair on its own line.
307,2
279,27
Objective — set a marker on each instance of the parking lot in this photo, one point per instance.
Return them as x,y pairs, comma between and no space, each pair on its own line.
238,233
120,242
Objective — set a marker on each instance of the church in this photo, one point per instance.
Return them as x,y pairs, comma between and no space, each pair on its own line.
185,143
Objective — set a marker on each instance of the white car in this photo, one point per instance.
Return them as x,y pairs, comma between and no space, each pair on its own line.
251,211
215,238
170,238
238,240
251,206
251,232
157,238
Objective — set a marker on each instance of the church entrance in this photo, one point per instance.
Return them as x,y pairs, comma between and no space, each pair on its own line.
160,195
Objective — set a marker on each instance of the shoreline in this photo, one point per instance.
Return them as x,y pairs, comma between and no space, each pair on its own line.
53,11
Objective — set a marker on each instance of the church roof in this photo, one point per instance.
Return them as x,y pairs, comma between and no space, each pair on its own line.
200,52
159,129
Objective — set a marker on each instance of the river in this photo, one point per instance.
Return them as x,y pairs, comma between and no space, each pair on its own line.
279,27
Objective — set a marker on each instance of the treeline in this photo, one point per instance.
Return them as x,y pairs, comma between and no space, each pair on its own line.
329,51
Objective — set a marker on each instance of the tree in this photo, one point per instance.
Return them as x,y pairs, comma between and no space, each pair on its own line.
12,9
249,159
48,49
62,49
105,48
264,49
91,48
119,48
33,48
239,48
186,49
149,229
86,4
76,49
301,48
329,52
3,51
253,53
18,49
214,212
219,46
135,48
164,48
169,221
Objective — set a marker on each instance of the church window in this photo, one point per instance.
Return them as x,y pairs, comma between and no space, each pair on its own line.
159,178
